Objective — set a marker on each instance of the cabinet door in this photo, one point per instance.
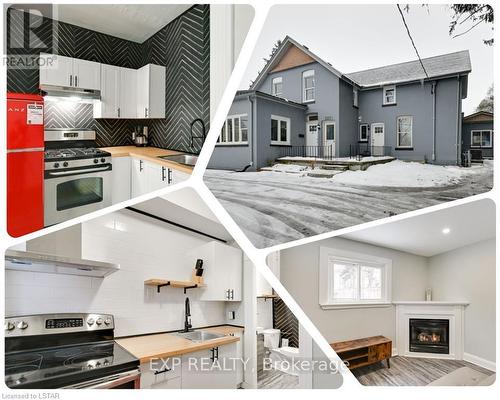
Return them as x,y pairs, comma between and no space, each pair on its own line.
156,176
239,358
128,90
109,104
157,82
178,176
87,74
233,259
142,92
166,375
56,70
121,179
138,177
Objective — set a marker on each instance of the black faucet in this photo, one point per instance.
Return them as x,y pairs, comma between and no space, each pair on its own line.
187,316
203,132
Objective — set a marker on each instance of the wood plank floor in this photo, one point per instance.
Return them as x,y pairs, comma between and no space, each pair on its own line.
409,371
274,379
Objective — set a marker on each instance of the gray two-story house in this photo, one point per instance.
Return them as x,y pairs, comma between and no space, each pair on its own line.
300,105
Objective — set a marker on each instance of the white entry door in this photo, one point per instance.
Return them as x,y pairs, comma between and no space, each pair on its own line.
312,139
329,137
378,138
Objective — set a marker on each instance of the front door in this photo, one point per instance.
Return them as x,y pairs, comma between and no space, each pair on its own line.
312,139
377,141
329,139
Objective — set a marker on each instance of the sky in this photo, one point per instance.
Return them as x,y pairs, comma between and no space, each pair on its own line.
358,37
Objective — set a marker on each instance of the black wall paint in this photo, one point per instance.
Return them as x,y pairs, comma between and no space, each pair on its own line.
182,46
286,322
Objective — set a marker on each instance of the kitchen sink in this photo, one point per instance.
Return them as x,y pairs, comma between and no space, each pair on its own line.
199,336
185,159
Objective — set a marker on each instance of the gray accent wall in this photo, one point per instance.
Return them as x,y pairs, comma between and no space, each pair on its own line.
347,134
477,126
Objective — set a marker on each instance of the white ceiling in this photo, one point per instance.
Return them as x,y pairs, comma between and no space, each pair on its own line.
136,22
422,235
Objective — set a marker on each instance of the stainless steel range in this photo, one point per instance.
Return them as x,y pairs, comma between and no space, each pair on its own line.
77,175
76,351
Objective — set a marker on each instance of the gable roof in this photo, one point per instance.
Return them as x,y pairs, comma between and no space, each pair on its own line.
480,116
437,66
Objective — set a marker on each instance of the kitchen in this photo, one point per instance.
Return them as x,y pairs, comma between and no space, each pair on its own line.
119,104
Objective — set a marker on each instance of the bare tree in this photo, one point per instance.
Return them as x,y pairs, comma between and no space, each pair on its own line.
469,16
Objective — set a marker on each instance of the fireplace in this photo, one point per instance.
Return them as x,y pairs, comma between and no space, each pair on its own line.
429,335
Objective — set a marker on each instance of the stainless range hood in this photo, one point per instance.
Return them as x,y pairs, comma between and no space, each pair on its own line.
70,92
51,264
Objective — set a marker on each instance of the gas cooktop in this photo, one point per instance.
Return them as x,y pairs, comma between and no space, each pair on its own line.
74,154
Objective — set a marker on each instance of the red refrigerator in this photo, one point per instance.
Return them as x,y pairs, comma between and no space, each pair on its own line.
25,148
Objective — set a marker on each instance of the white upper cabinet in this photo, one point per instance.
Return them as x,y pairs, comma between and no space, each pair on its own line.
151,91
127,93
110,94
69,72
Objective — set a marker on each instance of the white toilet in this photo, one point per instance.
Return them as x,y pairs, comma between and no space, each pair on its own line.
281,358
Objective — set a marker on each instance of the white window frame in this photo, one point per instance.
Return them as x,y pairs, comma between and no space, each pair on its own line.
355,97
281,119
234,117
481,131
325,296
398,146
367,129
306,74
384,97
274,81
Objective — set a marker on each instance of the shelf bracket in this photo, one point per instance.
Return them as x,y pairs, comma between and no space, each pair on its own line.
190,287
160,286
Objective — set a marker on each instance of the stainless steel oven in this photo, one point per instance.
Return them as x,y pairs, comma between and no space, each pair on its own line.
76,187
123,380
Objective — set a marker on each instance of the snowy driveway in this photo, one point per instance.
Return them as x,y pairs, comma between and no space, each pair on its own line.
274,208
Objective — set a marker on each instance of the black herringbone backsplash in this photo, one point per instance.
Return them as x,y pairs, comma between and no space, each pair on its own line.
286,322
182,46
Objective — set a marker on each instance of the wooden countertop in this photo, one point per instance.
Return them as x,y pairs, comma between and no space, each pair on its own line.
164,345
225,329
149,154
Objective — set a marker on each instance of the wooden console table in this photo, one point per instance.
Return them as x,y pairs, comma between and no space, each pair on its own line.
360,352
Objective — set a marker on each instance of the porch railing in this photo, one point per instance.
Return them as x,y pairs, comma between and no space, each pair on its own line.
361,150
324,152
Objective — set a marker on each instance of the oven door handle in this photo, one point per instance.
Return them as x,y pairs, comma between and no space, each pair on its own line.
77,171
108,382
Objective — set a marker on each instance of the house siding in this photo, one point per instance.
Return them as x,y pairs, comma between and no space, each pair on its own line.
347,131
467,127
416,100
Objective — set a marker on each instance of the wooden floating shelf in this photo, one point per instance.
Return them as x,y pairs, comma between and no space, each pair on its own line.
159,283
268,296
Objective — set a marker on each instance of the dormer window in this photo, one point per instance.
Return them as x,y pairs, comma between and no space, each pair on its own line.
277,86
389,93
308,85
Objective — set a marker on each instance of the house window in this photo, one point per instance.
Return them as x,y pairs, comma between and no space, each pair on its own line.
330,131
355,97
277,86
389,93
404,133
235,130
481,139
350,279
308,86
280,130
363,133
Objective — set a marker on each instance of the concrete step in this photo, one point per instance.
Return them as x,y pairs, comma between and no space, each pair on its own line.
335,167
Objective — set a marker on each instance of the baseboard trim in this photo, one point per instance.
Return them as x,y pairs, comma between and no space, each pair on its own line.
481,362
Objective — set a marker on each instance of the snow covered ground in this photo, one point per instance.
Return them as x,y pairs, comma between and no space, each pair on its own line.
273,208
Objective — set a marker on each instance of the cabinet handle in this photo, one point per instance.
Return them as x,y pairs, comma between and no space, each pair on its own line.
71,80
216,353
227,294
232,294
118,112
140,165
76,80
146,112
163,371
163,174
212,356
169,176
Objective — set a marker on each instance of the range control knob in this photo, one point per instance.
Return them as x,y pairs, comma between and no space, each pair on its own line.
22,325
99,321
107,321
56,165
9,326
96,160
65,164
90,321
103,160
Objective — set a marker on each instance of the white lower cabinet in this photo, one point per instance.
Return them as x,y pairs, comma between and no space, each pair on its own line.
120,186
138,178
177,176
210,369
161,375
239,359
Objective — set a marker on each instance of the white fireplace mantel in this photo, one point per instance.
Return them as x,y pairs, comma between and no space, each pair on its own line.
450,310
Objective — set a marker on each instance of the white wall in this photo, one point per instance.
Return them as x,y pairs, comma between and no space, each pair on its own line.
300,275
145,249
469,274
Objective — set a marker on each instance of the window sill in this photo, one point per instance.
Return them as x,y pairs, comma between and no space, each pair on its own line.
343,306
231,144
389,104
280,144
404,148
308,101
